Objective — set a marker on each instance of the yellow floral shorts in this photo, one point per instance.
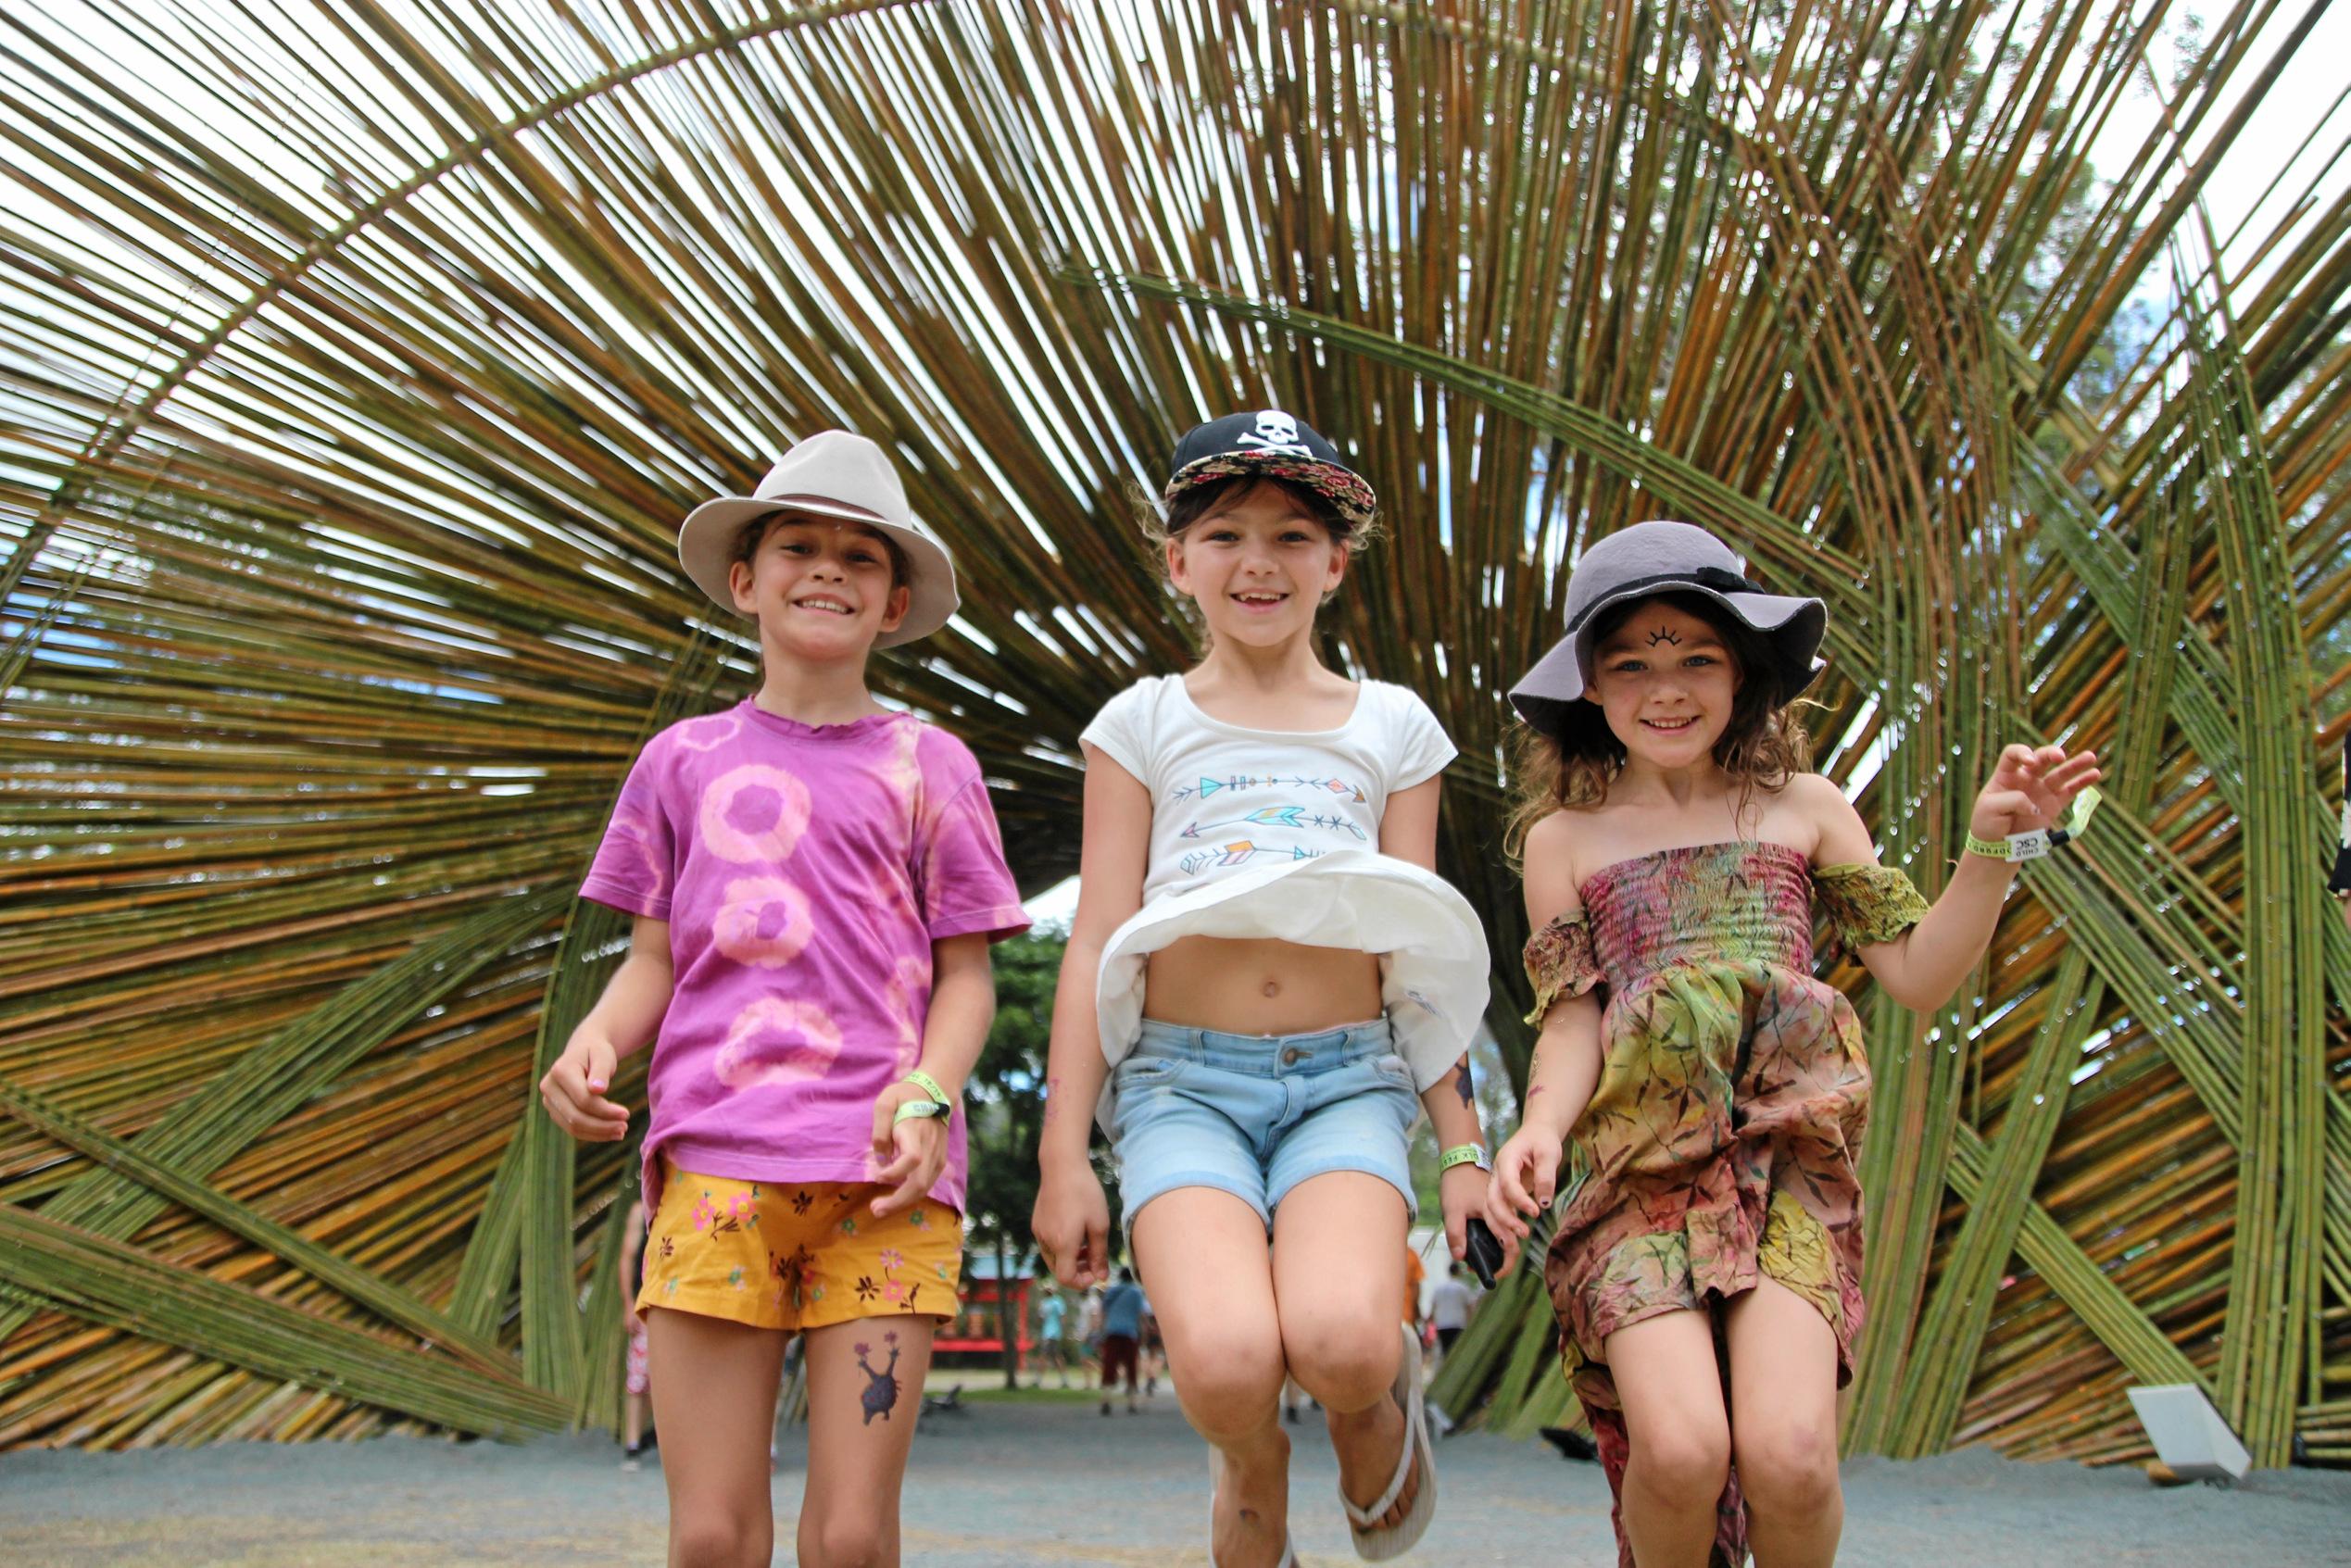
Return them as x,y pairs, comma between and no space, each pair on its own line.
796,1255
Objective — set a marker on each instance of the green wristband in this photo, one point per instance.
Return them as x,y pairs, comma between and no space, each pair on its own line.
917,1111
2020,846
929,1085
1462,1154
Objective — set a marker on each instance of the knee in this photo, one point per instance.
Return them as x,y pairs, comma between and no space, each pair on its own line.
845,1543
1344,1356
719,1539
1226,1379
1687,1462
1790,1467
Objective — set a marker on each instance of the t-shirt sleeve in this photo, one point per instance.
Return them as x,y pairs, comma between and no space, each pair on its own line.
1421,747
966,884
1122,729
635,866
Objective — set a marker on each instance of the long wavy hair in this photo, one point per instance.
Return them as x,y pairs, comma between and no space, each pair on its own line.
1763,746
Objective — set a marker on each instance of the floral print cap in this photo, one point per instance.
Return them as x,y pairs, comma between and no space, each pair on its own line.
1276,446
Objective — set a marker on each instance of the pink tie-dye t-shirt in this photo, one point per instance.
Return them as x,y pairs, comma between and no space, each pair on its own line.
805,872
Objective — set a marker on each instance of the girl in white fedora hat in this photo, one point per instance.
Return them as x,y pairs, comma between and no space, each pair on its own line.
816,880
1676,849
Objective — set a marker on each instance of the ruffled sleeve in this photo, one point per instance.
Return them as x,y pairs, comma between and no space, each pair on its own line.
1865,904
1560,962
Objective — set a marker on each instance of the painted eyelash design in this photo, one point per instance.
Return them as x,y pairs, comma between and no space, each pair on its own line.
1663,635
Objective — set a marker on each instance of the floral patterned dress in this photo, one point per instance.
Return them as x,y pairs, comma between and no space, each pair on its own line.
1721,1141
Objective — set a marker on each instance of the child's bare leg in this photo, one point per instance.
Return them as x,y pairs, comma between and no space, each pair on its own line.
1201,1253
1783,1427
864,1390
1679,1436
1338,1275
632,1422
714,1398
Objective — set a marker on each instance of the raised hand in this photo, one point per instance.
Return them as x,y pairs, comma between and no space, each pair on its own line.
2031,788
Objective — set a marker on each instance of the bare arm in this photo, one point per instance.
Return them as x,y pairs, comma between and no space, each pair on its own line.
629,1012
1922,968
963,1005
1408,832
1072,1219
624,1019
1565,1067
1408,824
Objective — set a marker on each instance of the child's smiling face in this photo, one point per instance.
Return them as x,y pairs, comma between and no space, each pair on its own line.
1667,683
1258,565
821,588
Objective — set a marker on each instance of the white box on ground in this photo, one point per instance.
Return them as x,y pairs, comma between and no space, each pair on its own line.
2188,1433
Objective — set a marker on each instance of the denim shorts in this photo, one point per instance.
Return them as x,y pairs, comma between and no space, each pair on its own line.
1256,1114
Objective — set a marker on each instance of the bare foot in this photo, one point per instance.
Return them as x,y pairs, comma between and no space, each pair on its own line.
1368,1444
1251,1518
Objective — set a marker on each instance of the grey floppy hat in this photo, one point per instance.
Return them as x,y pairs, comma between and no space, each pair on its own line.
1666,558
831,474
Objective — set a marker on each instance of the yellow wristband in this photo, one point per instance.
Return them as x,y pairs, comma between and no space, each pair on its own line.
1462,1154
929,1085
917,1110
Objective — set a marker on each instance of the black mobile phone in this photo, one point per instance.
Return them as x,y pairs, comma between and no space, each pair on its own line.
1485,1251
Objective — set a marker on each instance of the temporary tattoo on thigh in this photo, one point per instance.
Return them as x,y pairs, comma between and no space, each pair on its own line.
1463,1086
881,1388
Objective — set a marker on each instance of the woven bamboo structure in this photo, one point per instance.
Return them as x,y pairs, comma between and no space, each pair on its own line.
362,358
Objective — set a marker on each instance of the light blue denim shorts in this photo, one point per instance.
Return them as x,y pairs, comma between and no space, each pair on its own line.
1256,1114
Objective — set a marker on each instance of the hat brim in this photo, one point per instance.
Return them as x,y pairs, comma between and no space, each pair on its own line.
1348,492
706,548
1792,627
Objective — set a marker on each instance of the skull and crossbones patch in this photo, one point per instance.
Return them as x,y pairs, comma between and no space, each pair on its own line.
1276,432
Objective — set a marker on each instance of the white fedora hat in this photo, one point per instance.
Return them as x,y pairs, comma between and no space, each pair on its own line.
832,474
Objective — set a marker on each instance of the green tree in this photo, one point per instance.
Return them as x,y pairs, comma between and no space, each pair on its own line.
1006,1107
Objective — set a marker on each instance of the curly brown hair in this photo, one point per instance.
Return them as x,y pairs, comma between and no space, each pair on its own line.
1764,746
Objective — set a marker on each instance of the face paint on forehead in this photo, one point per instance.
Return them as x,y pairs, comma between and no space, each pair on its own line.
1664,634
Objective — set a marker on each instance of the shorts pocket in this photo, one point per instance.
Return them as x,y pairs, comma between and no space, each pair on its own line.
1140,1087
1394,1069
1141,1071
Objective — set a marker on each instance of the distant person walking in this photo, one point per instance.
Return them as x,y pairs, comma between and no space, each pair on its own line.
1451,1306
1123,1308
1090,1332
1052,1313
636,1379
2340,883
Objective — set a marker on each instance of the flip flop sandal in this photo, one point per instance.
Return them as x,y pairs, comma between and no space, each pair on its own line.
1215,1481
1372,1543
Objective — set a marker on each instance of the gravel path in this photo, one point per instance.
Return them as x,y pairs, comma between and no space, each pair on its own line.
997,1484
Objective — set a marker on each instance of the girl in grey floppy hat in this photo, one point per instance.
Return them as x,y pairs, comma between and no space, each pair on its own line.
1676,851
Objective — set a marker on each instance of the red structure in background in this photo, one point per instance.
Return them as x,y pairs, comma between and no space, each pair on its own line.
974,1328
